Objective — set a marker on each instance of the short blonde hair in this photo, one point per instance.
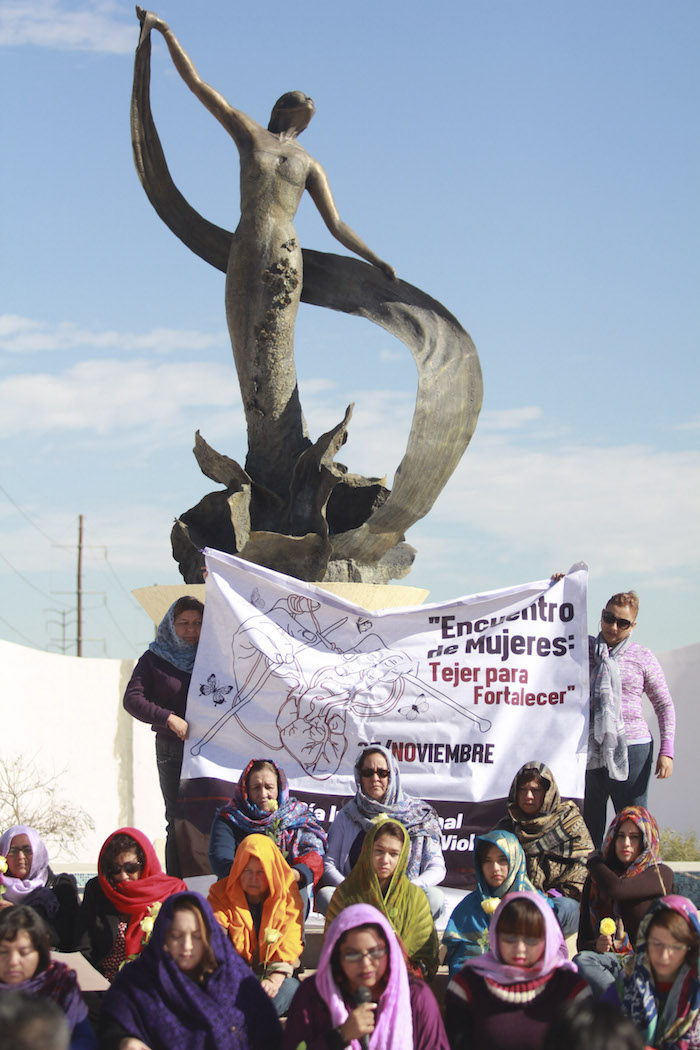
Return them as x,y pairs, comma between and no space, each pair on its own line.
625,598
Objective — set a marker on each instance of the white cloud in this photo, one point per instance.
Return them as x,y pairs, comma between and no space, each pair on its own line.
25,335
99,26
509,418
389,356
112,396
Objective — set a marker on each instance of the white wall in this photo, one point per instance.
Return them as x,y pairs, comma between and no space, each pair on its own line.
66,714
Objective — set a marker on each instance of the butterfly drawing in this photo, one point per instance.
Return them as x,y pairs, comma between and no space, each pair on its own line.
363,624
256,599
412,711
218,693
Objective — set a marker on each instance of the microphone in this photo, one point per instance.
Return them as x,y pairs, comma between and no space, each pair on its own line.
363,995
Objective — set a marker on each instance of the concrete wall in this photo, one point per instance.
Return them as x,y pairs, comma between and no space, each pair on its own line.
65,714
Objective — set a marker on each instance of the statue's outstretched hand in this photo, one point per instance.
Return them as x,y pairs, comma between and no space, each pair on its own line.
149,20
387,270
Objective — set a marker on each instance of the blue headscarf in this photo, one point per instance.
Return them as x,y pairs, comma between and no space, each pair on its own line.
168,644
466,932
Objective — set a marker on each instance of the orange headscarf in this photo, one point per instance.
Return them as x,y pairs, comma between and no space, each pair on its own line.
282,908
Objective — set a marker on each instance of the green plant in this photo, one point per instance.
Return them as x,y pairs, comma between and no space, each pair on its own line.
679,845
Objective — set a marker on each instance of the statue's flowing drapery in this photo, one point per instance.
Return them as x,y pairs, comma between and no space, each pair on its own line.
449,375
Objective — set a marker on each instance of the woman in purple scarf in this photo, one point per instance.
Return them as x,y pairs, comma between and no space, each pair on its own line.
361,994
188,989
506,999
26,966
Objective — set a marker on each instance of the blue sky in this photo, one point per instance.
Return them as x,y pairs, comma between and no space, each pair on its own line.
533,166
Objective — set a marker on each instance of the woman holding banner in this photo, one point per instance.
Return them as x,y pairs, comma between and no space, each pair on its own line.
619,743
379,791
157,694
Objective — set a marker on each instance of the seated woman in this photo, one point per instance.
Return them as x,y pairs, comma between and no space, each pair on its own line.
188,990
379,879
379,791
660,989
360,951
26,966
29,880
261,803
624,879
499,865
258,903
505,999
129,882
554,838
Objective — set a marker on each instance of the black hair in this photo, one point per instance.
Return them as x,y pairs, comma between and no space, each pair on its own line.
120,844
585,1024
14,920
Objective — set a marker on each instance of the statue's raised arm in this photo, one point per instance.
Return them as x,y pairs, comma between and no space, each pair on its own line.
293,508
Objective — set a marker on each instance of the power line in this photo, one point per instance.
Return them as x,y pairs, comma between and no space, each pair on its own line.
24,514
24,578
19,633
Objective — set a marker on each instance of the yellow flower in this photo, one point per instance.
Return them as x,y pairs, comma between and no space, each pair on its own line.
272,806
271,936
608,927
147,925
3,865
489,904
154,909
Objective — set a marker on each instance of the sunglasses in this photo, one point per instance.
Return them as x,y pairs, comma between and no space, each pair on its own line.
369,773
130,868
14,851
610,618
375,954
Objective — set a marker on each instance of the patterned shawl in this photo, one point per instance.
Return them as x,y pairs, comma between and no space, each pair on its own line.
555,957
293,826
394,1027
418,817
59,983
18,890
556,841
133,897
282,908
662,1026
599,907
405,905
607,743
465,934
160,1005
169,646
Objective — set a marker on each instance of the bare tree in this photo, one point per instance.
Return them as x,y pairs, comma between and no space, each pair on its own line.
30,795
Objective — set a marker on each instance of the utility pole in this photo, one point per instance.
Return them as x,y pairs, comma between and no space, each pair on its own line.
79,589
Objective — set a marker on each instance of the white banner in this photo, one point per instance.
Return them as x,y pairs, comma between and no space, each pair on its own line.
464,692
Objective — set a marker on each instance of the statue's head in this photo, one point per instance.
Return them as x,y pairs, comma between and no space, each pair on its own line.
292,110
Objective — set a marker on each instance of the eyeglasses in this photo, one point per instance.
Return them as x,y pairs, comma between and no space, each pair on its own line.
130,868
515,938
672,949
610,618
13,851
375,954
367,774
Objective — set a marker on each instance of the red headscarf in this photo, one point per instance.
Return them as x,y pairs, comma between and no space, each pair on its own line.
133,897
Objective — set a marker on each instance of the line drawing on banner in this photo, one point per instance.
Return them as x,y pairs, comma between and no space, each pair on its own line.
367,680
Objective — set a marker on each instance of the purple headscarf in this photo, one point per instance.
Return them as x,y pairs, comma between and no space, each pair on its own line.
153,1000
555,956
394,1027
17,890
58,983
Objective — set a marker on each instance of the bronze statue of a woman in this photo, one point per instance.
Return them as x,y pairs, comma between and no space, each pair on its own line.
264,268
294,508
